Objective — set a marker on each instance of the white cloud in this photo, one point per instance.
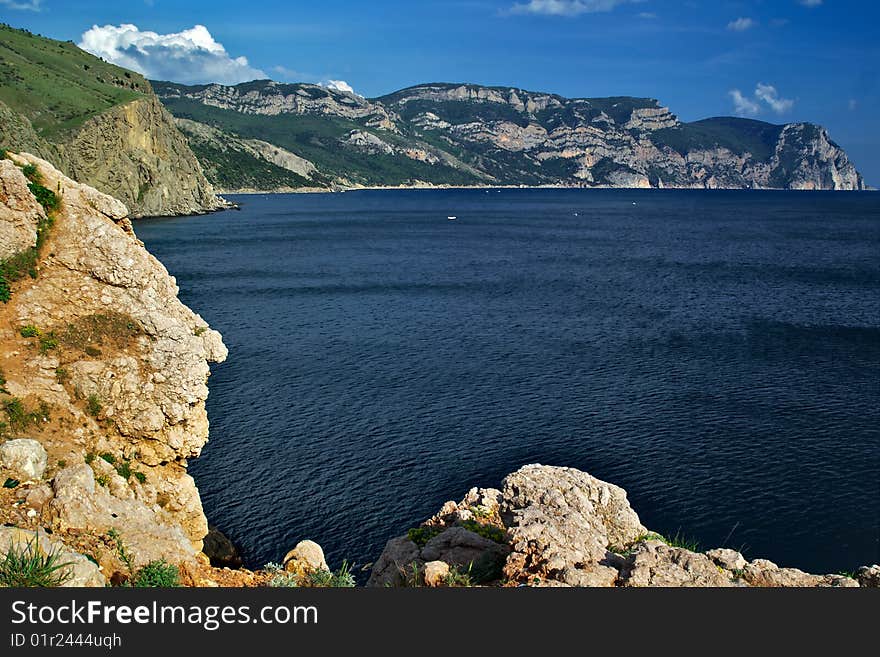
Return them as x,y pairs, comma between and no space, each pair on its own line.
742,105
764,93
811,3
741,24
190,57
768,93
566,7
27,5
340,85
647,15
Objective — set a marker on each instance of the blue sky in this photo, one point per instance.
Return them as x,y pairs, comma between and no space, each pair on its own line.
780,61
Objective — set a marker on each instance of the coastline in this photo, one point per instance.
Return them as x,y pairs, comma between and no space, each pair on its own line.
321,190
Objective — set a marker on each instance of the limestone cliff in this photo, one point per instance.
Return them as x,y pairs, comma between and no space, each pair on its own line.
103,374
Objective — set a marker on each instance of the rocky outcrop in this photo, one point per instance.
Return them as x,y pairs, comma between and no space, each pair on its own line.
562,527
19,211
111,379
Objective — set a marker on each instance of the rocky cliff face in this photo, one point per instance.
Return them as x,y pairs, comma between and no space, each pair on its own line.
103,378
508,136
552,526
135,153
99,124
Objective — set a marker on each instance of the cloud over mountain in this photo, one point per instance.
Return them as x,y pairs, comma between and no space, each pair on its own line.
566,7
192,56
764,93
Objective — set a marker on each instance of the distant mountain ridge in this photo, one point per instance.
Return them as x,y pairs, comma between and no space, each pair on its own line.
99,123
467,134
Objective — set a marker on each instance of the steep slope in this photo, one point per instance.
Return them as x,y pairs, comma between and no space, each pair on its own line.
469,134
103,376
99,123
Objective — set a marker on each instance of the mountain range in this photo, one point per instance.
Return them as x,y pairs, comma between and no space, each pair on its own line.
162,148
266,135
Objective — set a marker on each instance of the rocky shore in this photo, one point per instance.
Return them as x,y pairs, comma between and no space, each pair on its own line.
103,381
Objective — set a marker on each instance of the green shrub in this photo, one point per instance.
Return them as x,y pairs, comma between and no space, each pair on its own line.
31,567
107,456
124,469
45,197
682,541
29,331
140,476
157,574
90,456
421,535
491,532
11,483
458,578
93,405
32,173
103,480
62,375
317,579
48,342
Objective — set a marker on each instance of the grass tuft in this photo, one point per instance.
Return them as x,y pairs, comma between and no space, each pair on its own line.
29,566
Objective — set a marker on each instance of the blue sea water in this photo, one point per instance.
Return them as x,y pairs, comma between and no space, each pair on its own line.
717,354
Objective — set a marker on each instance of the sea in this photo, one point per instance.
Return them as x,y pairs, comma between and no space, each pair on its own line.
715,353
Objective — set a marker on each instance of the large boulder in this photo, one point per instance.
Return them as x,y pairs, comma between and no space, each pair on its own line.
562,520
220,550
307,557
24,459
400,556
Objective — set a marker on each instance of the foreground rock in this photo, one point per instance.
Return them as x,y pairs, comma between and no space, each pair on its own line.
111,373
562,527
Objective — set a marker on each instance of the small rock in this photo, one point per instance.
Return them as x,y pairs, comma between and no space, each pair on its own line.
25,458
306,557
727,559
435,573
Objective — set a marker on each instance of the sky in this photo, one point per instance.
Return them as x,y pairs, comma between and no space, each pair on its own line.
775,60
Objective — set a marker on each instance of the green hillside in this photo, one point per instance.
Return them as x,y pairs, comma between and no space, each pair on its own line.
58,86
738,135
319,140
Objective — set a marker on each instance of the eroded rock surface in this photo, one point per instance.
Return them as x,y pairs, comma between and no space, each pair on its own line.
563,527
111,374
